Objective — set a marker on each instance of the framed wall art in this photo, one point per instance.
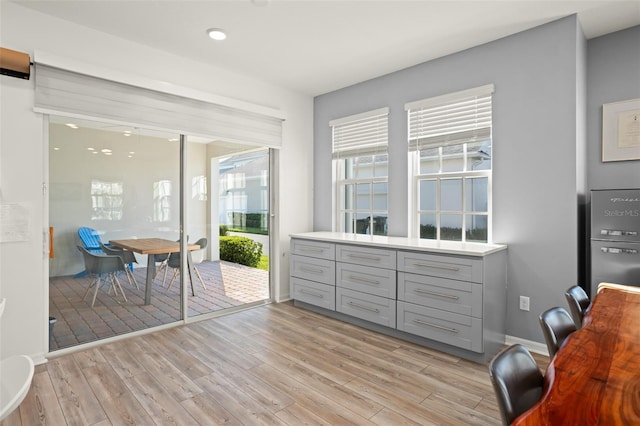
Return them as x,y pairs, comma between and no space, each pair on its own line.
621,131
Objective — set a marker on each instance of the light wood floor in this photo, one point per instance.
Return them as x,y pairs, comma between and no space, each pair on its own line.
276,365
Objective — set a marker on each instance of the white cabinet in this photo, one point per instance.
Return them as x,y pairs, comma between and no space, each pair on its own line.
366,279
446,295
436,265
366,283
379,310
444,309
461,297
314,293
313,273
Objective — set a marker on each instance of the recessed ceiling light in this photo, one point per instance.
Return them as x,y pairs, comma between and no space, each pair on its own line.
73,126
56,149
216,34
90,149
105,150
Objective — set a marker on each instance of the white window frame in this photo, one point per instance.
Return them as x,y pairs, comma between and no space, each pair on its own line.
416,177
342,210
356,137
440,136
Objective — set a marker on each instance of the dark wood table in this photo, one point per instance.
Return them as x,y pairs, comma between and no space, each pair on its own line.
594,379
151,247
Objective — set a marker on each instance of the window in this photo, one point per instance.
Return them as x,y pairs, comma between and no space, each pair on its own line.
361,172
244,191
106,200
450,158
199,188
162,201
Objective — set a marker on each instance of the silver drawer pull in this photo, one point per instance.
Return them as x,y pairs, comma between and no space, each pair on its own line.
433,293
364,280
615,250
311,249
618,233
359,256
439,327
313,270
429,265
311,293
366,308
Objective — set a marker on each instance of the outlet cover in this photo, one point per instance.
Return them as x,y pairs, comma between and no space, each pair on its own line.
524,303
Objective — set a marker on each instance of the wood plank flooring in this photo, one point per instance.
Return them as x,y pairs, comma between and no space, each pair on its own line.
273,365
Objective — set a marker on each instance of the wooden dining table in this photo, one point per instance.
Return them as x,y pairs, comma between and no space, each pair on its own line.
594,379
152,247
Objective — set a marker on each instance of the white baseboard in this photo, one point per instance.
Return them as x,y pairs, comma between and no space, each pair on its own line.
539,348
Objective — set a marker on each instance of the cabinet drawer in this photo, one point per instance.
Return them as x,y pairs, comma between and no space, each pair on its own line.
461,297
322,295
376,281
380,258
320,270
454,329
457,268
317,249
367,307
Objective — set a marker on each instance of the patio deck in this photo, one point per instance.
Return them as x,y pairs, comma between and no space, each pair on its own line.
228,285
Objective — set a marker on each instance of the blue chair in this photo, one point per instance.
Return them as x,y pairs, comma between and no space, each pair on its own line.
90,239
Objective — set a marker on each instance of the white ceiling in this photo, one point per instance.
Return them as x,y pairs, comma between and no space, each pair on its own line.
314,46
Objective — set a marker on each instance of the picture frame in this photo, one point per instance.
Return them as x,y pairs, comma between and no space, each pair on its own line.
621,131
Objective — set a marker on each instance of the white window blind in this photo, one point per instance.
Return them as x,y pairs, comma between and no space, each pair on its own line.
64,92
450,119
360,134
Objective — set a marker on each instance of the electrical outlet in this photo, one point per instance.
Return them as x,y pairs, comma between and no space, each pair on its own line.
524,303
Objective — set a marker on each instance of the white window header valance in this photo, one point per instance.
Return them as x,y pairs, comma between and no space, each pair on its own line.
360,134
450,119
64,92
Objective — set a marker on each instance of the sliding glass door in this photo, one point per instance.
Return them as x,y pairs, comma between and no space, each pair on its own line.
110,183
127,188
227,204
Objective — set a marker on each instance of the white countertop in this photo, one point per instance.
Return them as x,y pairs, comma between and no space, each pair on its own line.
416,244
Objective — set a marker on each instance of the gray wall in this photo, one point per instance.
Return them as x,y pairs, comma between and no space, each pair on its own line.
613,74
538,172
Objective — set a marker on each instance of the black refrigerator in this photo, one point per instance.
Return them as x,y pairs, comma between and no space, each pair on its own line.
615,237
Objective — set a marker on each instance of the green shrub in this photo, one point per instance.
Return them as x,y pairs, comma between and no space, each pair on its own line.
224,229
240,250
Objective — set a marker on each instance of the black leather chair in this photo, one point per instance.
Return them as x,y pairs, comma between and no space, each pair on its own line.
556,325
578,303
517,381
